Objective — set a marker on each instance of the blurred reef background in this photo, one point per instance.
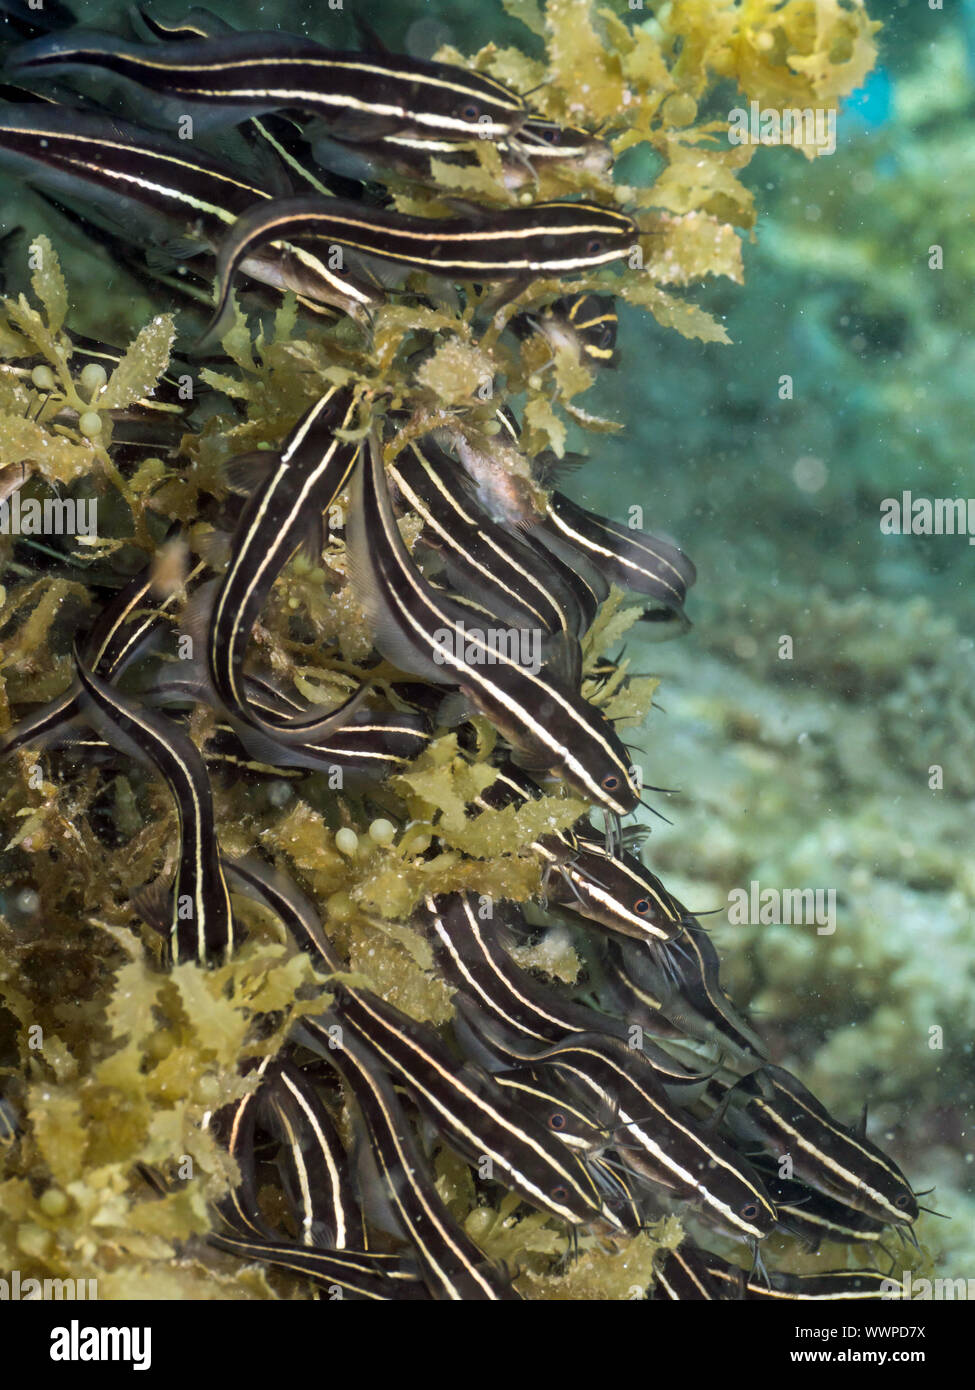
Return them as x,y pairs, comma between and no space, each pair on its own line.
811,772
814,772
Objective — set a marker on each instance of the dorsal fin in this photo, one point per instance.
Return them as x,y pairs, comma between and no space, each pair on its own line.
368,35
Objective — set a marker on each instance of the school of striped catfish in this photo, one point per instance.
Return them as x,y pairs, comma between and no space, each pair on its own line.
639,1091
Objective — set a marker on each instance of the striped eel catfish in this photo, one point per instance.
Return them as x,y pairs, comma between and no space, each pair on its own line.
609,887
470,1110
614,890
330,1248
538,145
635,560
815,1218
480,555
658,1141
692,1274
371,745
232,76
541,1095
200,922
423,633
120,632
312,1160
234,1127
468,951
551,1104
454,1268
514,1014
547,1101
545,239
493,464
156,189
321,1202
538,141
311,470
772,1108
359,1275
684,982
280,133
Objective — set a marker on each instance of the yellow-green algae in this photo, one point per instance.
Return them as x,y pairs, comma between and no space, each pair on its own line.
109,1064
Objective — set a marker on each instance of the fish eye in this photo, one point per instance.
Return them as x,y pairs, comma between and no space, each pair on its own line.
552,135
610,782
471,112
556,1120
641,907
902,1201
605,336
594,247
559,1193
749,1211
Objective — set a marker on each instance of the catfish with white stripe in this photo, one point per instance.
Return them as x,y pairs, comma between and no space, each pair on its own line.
608,887
614,890
201,924
120,632
772,1108
373,744
280,133
688,1273
312,1161
524,1011
232,76
541,1096
423,633
470,1110
454,1268
633,999
555,238
538,141
468,952
635,560
312,469
466,1105
816,1218
234,1127
488,1037
686,981
478,552
493,464
538,1094
357,1275
154,190
823,1286
660,1142
539,144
